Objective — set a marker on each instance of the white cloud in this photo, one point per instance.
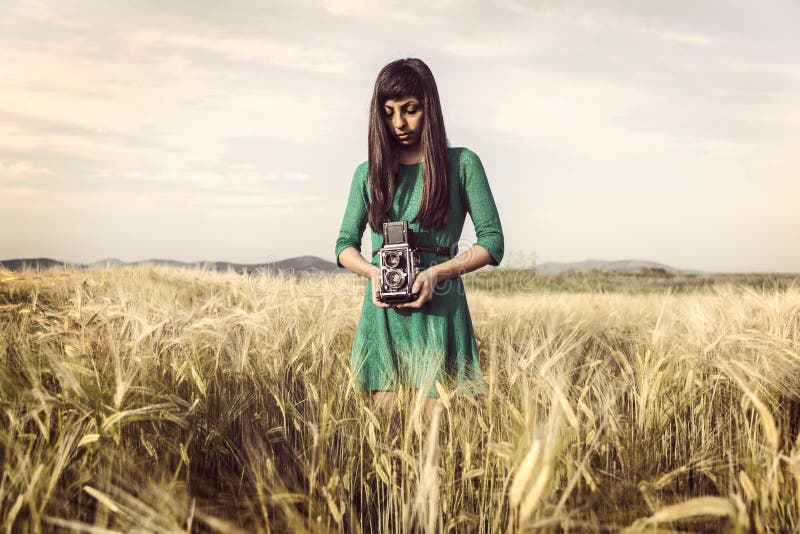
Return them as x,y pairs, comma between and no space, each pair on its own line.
348,7
375,10
94,149
215,204
700,40
177,104
249,173
238,177
490,47
577,118
293,55
49,13
22,169
790,71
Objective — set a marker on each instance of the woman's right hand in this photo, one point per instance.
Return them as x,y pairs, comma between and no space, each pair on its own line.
375,277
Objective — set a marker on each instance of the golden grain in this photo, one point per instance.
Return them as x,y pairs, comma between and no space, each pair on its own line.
160,399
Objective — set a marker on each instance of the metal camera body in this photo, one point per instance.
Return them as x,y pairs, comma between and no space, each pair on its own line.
399,264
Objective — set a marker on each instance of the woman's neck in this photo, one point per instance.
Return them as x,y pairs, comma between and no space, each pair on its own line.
410,155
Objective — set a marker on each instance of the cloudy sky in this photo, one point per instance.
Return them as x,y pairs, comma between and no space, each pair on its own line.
665,131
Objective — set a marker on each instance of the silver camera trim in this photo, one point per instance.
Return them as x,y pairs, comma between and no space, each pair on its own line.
408,267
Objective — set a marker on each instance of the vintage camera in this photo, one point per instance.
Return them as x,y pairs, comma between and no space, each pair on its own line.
399,263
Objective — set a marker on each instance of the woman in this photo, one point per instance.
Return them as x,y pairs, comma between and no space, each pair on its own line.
413,175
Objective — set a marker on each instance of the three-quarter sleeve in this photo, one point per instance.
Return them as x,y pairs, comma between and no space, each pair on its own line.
355,214
481,207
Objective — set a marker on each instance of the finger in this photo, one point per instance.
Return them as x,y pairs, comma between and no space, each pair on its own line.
417,285
418,303
409,304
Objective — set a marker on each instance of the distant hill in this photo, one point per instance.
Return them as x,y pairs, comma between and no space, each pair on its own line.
34,263
299,264
622,266
108,262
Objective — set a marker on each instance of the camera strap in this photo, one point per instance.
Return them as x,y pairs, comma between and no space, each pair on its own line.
441,251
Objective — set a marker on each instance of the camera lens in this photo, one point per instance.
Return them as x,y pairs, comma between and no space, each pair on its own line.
391,259
394,279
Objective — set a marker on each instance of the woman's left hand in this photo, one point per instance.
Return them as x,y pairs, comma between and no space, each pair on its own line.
424,285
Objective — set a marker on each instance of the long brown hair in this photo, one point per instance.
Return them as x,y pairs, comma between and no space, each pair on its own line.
409,77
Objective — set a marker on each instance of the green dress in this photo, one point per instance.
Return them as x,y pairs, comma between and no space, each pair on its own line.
419,347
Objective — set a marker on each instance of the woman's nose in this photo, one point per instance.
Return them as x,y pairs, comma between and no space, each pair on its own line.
398,121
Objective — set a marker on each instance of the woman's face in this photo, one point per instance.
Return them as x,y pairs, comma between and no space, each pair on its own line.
405,120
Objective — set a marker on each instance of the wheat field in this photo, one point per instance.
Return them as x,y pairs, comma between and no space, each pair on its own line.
156,399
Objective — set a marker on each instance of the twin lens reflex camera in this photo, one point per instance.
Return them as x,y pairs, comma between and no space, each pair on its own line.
399,264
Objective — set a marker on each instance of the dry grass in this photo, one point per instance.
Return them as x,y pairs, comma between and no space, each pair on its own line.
167,400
